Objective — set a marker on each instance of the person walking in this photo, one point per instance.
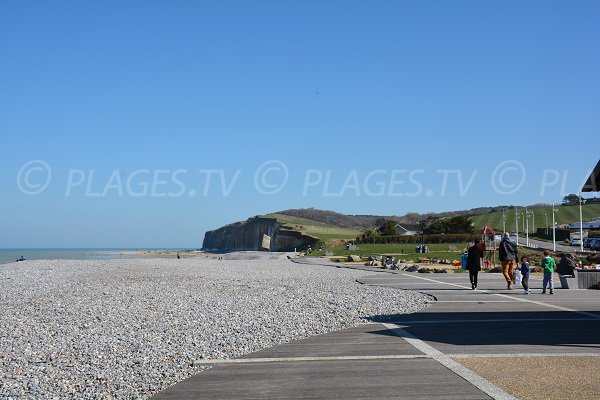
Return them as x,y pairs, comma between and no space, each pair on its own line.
548,265
474,257
525,271
508,255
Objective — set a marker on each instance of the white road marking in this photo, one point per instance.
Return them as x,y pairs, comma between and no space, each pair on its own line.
476,380
387,357
305,359
470,301
445,283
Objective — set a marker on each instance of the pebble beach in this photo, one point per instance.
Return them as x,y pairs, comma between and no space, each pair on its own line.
129,328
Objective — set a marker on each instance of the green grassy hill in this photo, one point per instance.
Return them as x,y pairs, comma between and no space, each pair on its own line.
565,215
321,230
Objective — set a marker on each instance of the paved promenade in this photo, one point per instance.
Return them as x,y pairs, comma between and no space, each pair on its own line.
468,344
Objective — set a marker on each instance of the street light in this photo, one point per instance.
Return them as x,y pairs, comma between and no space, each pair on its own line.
517,223
580,223
554,211
527,230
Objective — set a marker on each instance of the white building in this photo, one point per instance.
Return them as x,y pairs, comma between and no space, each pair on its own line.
402,231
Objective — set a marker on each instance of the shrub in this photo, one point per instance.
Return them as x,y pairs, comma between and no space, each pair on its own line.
417,239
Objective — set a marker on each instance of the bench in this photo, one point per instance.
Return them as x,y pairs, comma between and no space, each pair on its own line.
588,278
569,282
583,279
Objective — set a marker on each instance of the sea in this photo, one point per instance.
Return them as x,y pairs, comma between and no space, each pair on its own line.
11,255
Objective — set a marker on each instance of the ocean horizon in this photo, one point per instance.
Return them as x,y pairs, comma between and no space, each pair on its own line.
11,255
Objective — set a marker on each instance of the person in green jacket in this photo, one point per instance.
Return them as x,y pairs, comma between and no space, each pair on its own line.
548,265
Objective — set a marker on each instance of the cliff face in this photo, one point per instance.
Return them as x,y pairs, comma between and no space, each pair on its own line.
249,235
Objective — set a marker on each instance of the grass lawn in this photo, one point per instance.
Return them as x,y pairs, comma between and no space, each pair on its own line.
402,251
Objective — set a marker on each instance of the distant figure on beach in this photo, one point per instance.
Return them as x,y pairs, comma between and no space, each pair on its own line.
475,255
548,264
508,255
178,256
525,271
566,266
20,259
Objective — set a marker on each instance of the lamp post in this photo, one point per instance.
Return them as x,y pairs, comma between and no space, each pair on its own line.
527,230
517,223
546,219
503,221
580,223
553,228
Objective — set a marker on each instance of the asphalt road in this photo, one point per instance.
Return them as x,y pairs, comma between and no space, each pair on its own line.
542,244
547,245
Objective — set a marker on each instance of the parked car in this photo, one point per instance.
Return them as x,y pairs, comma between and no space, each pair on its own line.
592,243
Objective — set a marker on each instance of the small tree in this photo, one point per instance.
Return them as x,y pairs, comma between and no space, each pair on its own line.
388,228
452,225
371,233
458,224
571,200
432,226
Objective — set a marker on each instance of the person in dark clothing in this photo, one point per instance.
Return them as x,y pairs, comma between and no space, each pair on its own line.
566,266
525,271
475,254
508,255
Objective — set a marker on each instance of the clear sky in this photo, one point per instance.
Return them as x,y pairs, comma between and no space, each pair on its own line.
111,110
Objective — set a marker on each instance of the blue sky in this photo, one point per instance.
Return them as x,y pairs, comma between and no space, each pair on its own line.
378,94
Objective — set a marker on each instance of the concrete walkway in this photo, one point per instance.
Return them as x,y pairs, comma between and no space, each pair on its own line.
420,355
